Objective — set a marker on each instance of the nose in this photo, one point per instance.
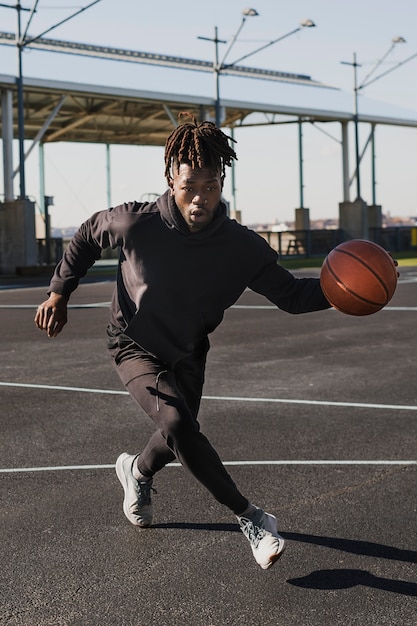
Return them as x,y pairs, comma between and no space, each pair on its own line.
199,199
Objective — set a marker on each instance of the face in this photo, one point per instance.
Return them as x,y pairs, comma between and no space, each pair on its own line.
197,194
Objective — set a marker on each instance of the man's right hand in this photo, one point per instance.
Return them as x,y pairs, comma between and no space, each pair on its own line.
52,314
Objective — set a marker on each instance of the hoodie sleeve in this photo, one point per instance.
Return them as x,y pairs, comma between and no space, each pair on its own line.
291,294
83,251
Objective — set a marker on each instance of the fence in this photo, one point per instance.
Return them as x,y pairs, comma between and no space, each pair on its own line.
303,243
396,239
50,254
309,243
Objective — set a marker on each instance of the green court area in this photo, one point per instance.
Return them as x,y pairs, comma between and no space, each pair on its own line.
405,259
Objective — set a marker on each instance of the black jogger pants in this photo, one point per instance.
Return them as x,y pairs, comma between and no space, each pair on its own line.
171,397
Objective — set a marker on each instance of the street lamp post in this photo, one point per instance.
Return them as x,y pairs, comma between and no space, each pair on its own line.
21,42
20,105
19,86
218,67
355,216
217,70
355,66
356,89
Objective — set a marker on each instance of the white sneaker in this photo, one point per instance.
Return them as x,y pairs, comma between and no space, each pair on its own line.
261,531
137,505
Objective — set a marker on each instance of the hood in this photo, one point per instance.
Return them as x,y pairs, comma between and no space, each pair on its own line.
172,217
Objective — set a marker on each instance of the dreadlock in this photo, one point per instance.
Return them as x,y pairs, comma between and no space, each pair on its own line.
199,145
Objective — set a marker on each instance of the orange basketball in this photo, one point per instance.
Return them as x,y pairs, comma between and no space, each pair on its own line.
358,277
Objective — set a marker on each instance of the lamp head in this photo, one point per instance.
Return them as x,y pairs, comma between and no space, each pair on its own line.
398,39
307,23
249,12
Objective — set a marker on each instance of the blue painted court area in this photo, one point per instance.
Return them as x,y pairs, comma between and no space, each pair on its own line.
316,419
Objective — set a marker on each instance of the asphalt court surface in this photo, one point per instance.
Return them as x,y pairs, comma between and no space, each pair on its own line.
315,416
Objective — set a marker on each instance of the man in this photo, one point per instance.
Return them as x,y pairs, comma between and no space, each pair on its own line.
182,263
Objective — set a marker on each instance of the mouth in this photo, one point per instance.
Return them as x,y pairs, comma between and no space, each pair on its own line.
197,211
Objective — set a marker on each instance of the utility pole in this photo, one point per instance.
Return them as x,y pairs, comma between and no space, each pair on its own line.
216,70
355,65
20,103
21,43
357,87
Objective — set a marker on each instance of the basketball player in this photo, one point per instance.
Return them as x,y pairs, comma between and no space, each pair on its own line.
182,263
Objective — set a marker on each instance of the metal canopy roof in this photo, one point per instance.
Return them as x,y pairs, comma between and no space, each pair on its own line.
72,112
150,58
85,113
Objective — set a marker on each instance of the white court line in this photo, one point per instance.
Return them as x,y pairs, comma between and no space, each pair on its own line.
235,463
399,308
407,280
365,405
59,468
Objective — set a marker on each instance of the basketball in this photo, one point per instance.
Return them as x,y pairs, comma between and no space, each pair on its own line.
358,277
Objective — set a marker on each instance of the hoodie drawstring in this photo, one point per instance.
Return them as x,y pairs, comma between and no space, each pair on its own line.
156,386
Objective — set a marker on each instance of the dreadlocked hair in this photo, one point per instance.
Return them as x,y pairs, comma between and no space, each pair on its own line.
200,145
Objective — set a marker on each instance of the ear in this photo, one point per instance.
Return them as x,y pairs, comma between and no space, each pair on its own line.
171,185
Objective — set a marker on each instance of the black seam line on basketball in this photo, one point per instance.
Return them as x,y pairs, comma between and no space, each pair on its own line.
358,297
350,290
368,268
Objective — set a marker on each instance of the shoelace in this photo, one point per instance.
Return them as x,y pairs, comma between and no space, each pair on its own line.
252,531
144,493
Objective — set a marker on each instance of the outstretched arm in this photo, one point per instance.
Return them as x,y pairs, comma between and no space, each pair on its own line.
81,253
51,315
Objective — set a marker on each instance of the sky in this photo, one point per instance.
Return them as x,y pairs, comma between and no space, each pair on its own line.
267,172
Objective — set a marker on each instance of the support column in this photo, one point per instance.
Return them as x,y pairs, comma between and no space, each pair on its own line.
375,216
373,158
7,137
108,175
233,168
302,214
353,219
345,162
42,205
302,219
301,162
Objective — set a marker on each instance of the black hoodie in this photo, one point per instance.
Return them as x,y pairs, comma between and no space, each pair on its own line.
173,286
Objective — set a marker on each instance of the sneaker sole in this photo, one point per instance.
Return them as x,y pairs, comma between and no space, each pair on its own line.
122,478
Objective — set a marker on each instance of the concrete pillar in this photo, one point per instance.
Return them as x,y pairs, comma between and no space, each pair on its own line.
353,219
236,215
18,247
375,216
302,219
